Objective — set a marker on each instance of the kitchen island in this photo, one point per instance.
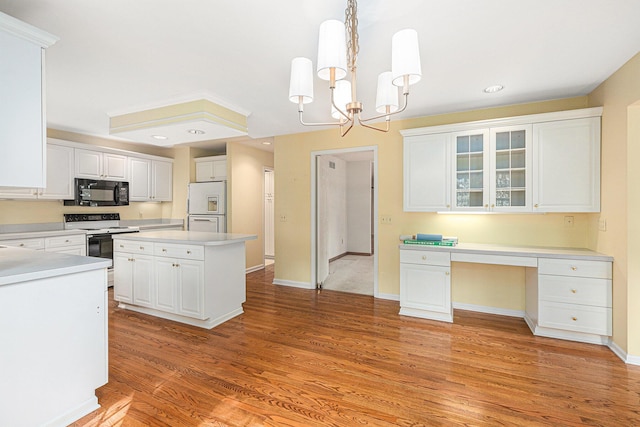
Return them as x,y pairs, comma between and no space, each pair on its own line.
53,323
196,278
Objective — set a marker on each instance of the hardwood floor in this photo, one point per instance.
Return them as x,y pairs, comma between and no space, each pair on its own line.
305,358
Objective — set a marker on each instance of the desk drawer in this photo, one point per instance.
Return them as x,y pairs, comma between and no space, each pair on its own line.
574,317
133,246
425,257
575,290
172,250
575,268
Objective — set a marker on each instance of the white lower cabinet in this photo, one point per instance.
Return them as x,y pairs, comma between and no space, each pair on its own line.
180,286
425,285
133,273
572,299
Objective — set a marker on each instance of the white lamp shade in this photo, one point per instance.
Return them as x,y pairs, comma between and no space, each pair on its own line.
405,57
301,83
332,49
341,97
387,94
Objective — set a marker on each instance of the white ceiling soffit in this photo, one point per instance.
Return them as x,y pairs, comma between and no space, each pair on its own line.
182,123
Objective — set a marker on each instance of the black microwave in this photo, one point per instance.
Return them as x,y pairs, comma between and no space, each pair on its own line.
91,192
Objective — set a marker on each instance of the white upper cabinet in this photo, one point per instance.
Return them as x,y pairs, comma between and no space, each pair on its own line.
59,178
539,163
427,177
212,168
59,173
100,165
150,180
22,114
567,171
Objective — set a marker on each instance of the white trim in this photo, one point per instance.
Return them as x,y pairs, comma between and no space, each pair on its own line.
254,268
489,310
507,121
293,284
313,156
390,297
104,149
626,358
26,31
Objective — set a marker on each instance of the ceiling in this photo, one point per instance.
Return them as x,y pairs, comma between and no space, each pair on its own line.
123,55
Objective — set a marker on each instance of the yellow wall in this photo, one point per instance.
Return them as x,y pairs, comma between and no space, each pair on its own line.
293,186
621,197
245,166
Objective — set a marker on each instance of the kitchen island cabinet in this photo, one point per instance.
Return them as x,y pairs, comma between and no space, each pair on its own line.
198,278
53,318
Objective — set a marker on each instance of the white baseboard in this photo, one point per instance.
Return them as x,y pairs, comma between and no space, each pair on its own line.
293,284
626,358
254,268
391,297
489,310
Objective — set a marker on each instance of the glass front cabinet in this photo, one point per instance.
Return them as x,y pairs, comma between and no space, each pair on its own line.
493,169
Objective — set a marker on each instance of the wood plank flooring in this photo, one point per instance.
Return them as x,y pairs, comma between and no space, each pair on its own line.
306,358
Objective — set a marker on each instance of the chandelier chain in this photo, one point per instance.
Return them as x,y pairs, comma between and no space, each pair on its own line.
351,24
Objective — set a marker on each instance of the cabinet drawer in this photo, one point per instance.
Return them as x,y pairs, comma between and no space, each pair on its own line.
132,246
179,251
425,257
61,241
574,317
575,290
24,243
575,268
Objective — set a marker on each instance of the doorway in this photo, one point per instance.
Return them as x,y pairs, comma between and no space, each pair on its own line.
269,225
344,233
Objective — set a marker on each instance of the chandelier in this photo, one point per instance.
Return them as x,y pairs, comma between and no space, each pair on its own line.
338,52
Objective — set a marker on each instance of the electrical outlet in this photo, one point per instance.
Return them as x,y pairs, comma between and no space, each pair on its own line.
602,225
568,221
385,219
283,217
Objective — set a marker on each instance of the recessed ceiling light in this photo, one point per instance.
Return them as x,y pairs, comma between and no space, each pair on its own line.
493,89
196,132
266,143
159,137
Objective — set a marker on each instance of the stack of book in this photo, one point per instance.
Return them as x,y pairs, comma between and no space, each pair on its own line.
431,240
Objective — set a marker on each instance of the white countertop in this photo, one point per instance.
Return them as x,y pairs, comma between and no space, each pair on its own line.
37,234
521,251
187,237
21,265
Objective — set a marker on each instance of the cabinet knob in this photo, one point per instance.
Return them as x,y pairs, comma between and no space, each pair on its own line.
189,252
424,257
573,291
21,244
535,206
122,246
446,273
574,318
574,268
486,206
67,241
177,265
448,206
492,205
164,250
142,248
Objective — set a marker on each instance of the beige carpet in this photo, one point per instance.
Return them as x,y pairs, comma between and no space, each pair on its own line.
351,273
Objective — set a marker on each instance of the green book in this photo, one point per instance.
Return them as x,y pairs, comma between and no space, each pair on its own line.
430,242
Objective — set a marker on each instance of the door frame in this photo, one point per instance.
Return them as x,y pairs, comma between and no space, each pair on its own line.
266,169
314,207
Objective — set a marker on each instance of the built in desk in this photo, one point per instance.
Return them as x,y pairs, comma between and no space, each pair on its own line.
567,290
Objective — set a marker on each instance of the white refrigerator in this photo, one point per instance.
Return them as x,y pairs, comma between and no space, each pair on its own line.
206,207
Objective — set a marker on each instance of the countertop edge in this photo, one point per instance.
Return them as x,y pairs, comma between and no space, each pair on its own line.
538,252
182,237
